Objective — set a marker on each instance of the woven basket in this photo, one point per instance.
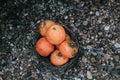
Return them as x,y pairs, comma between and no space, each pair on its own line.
45,61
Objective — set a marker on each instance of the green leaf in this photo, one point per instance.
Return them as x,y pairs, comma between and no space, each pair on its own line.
44,24
54,28
74,52
72,44
59,54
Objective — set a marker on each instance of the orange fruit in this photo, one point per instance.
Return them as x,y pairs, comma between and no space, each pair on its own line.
44,25
55,34
68,48
67,37
43,47
57,59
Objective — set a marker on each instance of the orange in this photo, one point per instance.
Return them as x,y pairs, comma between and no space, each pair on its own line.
44,25
68,48
67,37
55,34
43,47
57,59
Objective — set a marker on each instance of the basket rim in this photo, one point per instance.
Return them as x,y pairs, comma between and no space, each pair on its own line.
67,65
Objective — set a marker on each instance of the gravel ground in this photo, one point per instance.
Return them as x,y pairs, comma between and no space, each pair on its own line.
95,23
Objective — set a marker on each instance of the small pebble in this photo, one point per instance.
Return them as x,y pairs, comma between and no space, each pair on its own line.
28,37
117,45
97,13
112,64
25,14
89,75
77,78
38,21
117,57
82,77
21,68
105,68
106,28
59,3
11,44
113,41
92,49
94,53
107,56
91,12
84,59
85,23
66,17
1,78
89,47
9,37
11,27
93,60
99,20
99,52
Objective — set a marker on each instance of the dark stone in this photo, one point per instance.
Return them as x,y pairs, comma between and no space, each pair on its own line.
28,74
14,58
100,44
105,68
113,49
1,68
106,20
99,52
115,71
31,78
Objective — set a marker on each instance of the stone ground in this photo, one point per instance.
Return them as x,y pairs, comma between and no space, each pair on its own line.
96,25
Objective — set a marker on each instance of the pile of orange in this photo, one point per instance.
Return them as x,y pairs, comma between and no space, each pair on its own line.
55,43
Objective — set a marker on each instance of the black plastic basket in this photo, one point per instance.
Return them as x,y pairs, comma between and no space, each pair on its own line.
45,61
